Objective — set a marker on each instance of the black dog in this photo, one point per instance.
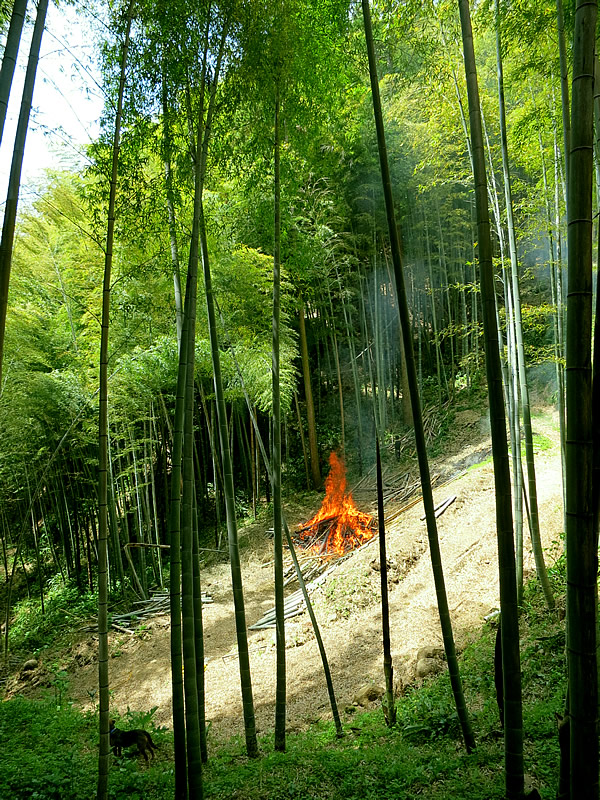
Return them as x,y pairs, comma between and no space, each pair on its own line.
120,739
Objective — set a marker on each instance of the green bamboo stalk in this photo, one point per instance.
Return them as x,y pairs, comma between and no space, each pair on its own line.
436,562
102,788
14,180
280,690
389,705
291,547
536,542
513,722
9,58
189,618
582,542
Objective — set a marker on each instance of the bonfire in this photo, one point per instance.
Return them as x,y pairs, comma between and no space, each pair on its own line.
338,526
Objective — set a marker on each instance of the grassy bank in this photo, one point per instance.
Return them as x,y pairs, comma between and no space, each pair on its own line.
50,751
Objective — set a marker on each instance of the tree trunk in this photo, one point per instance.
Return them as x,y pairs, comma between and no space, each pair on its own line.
290,543
338,372
175,567
9,59
234,555
236,574
560,327
564,84
513,739
14,180
102,789
389,705
436,342
416,405
280,690
167,147
378,356
596,350
582,544
355,378
188,615
199,638
555,266
112,508
302,443
310,409
536,542
136,493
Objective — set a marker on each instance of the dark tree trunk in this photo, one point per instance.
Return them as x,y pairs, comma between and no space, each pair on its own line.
582,542
511,667
436,562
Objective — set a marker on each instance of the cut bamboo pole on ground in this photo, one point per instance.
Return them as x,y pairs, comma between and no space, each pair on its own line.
439,509
294,604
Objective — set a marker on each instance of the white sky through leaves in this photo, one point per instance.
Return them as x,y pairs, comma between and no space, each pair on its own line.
66,103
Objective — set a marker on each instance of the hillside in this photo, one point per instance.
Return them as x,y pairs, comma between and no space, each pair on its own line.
346,605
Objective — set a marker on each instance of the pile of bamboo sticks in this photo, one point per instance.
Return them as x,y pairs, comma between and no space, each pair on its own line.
294,604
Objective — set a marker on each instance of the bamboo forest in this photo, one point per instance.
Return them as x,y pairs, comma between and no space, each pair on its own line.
299,399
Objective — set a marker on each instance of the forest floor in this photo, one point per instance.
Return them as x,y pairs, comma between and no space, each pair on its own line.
347,604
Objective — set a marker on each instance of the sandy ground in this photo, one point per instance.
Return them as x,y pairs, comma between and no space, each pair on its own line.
347,605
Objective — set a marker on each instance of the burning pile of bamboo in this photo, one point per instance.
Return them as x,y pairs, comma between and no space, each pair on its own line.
334,535
338,526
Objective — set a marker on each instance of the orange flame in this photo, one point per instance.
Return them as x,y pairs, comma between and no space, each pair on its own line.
349,527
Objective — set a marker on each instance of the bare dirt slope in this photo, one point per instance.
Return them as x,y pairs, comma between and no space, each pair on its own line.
346,606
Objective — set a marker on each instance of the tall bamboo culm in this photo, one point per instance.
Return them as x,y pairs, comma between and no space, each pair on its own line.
280,691
511,667
582,542
405,325
14,179
102,788
518,329
9,57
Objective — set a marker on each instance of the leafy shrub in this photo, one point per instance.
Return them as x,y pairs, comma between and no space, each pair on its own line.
31,629
427,716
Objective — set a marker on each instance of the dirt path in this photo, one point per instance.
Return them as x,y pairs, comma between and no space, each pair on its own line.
346,606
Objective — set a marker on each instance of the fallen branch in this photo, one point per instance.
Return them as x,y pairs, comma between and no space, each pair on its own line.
439,509
122,630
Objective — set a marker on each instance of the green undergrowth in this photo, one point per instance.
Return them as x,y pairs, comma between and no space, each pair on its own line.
33,630
540,444
51,752
64,604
